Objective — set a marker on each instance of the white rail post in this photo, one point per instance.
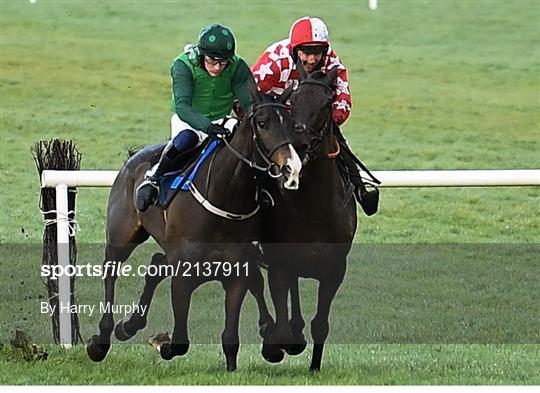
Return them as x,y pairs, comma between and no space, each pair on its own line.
64,282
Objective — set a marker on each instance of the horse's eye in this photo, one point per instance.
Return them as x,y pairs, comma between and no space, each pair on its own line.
261,124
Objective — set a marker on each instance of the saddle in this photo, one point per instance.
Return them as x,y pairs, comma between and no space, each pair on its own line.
187,165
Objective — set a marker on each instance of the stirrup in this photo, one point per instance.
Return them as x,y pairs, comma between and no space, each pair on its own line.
147,193
368,200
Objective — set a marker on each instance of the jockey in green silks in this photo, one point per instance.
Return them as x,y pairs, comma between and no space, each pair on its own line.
206,79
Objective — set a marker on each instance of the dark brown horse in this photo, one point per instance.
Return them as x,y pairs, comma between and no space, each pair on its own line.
309,233
216,221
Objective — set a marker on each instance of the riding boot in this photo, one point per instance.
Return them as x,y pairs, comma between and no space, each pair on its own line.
368,199
148,190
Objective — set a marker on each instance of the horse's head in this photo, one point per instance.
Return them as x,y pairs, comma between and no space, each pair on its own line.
271,124
312,111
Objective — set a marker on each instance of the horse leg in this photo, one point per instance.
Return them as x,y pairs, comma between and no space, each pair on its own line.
181,291
99,345
256,288
280,335
319,324
297,322
127,328
234,297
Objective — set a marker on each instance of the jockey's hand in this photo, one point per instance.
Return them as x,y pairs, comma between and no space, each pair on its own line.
217,131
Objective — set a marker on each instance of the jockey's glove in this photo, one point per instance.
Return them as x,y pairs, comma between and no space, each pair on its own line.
217,131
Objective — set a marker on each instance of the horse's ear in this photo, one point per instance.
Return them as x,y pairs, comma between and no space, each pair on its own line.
302,74
254,91
286,93
331,76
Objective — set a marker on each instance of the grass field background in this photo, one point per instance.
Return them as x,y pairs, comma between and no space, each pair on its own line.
435,84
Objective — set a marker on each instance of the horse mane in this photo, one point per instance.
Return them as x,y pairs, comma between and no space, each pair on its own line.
150,153
317,75
264,98
132,150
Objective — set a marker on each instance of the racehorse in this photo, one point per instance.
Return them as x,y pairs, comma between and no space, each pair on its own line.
308,233
198,226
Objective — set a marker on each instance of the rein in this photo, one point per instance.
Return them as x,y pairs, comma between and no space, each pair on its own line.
310,153
314,145
265,154
263,151
313,153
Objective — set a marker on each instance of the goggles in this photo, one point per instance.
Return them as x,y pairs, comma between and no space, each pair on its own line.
213,61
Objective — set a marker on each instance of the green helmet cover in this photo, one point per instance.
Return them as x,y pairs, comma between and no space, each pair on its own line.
217,41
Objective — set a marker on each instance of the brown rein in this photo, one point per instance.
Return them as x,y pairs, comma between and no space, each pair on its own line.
334,154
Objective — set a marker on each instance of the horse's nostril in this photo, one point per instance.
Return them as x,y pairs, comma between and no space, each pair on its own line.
291,185
287,169
299,127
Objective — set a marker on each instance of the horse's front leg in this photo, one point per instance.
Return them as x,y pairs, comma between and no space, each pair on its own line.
297,322
181,290
235,293
319,325
127,328
99,345
256,288
280,336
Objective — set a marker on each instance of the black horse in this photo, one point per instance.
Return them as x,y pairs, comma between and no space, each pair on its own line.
309,233
216,221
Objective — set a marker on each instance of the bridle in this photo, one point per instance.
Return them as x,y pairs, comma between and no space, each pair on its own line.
264,151
313,150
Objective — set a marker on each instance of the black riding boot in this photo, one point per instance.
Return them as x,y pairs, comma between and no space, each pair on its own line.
148,190
368,199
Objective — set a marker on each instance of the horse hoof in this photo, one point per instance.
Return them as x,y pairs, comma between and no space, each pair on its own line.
231,368
296,349
120,331
96,351
166,351
180,349
298,344
272,353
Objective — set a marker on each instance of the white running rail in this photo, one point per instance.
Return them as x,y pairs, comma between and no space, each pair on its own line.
61,180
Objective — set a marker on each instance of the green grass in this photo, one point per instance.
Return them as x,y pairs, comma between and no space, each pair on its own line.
436,85
344,365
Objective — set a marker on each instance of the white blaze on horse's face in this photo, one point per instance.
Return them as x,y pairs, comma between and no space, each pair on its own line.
292,169
288,161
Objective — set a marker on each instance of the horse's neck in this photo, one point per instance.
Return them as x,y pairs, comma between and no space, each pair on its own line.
322,186
321,177
327,144
231,181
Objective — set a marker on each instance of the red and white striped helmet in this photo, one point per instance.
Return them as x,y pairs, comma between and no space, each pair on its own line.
308,31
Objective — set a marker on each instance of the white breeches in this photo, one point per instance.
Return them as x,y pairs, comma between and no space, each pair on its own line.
178,125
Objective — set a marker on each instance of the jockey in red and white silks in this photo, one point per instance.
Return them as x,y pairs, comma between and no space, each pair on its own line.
276,68
308,45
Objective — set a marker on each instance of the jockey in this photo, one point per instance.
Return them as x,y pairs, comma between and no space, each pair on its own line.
276,69
206,79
